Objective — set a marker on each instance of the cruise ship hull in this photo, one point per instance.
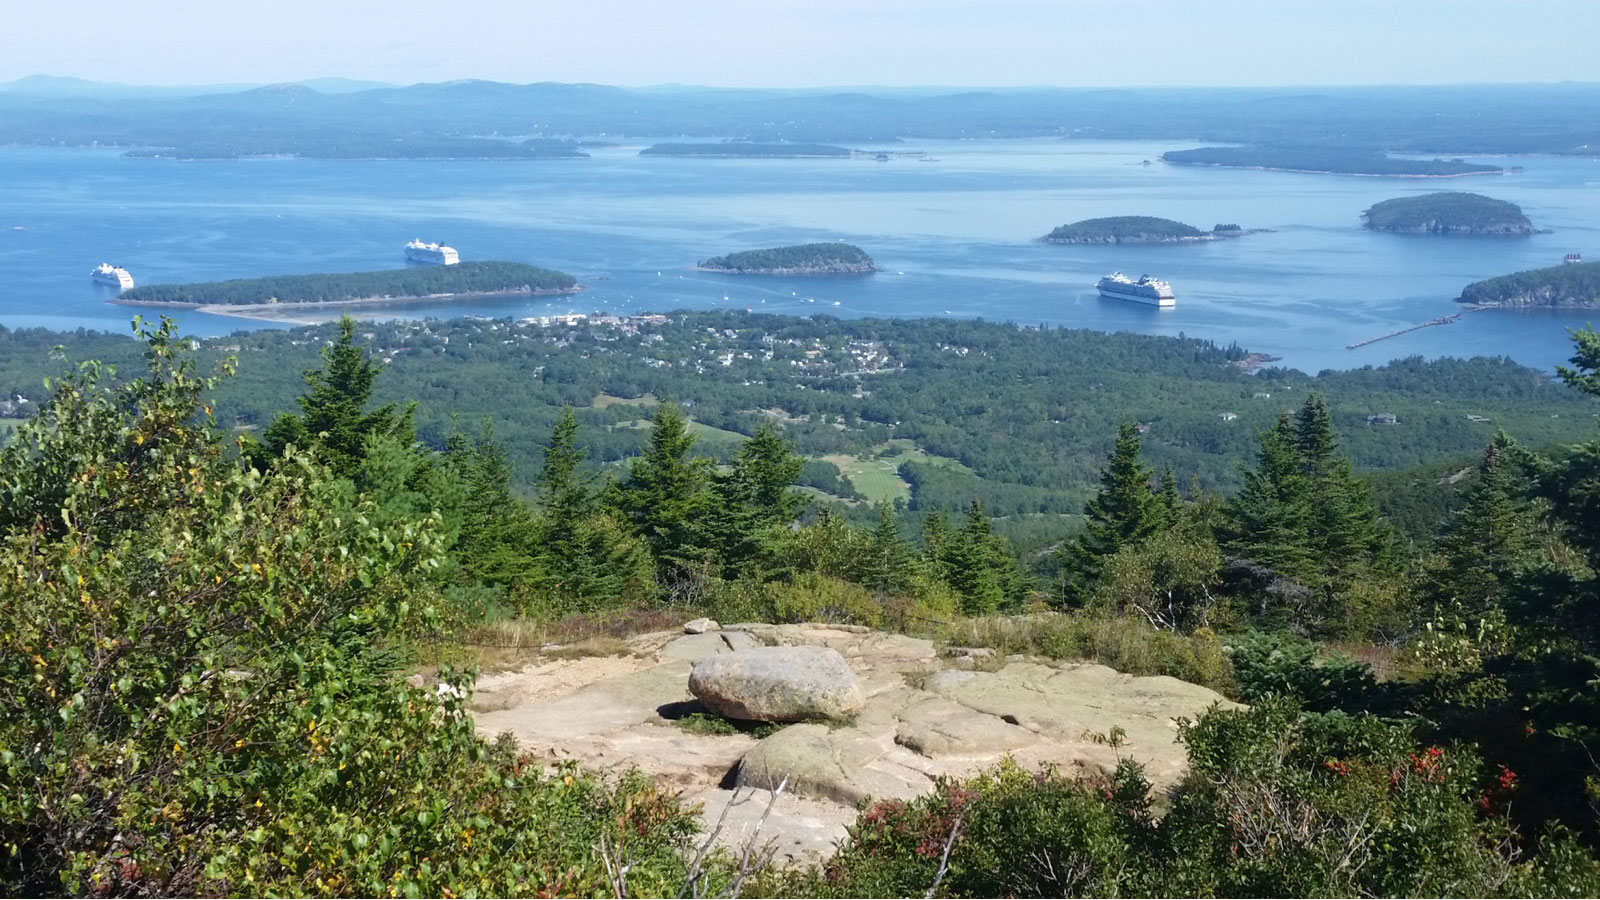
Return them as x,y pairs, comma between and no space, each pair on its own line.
116,277
1162,302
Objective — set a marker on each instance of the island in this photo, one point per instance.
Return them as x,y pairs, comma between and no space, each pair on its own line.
244,296
804,259
1134,230
1326,161
1571,285
359,146
1447,212
747,150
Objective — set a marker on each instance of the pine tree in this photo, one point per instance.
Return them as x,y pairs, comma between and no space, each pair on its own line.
1123,512
333,411
887,565
1271,515
754,495
1489,538
667,494
564,494
1343,528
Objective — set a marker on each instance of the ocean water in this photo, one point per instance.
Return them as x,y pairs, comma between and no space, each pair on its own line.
956,236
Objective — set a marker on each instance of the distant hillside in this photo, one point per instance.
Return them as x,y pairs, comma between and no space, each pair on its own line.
1128,230
1327,161
389,284
1576,286
1450,212
804,259
1459,119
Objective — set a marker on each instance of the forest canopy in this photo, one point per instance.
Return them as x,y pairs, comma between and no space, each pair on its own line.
1447,212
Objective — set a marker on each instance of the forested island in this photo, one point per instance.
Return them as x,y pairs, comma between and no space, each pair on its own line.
802,259
1572,286
361,146
1133,230
388,285
747,149
1447,212
1326,161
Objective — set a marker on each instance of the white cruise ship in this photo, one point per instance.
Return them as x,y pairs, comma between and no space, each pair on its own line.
115,276
435,254
1147,290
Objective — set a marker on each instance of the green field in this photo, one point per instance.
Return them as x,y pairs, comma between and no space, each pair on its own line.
878,476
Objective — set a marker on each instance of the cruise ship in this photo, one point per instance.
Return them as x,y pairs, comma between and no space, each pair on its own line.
116,276
435,254
1147,290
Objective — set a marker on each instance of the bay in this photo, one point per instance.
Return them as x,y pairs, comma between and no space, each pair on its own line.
955,236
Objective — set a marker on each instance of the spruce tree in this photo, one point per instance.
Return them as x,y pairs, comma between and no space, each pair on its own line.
887,565
563,493
755,494
1123,512
667,494
1489,538
1271,516
333,411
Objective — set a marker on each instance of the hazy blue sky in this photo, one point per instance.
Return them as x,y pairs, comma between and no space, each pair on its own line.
807,42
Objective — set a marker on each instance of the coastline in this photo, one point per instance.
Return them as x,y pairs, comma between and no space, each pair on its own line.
320,311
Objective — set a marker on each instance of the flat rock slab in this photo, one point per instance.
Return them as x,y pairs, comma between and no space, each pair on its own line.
777,684
920,716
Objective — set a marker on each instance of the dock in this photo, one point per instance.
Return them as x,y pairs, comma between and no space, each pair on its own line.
1441,320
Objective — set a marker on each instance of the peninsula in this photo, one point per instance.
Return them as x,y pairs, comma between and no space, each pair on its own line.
1448,212
1133,230
803,259
746,150
387,286
1575,286
1326,161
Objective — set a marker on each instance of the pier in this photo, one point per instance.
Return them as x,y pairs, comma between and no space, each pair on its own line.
1442,320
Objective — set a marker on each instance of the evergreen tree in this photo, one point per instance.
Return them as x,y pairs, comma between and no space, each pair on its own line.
756,494
1490,537
1124,511
1343,531
1270,516
980,567
667,494
887,565
333,411
563,492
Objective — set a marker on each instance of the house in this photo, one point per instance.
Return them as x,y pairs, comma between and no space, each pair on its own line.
1383,419
1227,416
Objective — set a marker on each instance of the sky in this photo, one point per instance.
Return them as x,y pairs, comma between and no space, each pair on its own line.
806,43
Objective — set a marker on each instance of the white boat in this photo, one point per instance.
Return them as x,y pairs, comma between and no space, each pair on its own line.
434,254
1147,290
115,276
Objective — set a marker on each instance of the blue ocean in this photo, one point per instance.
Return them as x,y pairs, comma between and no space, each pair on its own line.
954,234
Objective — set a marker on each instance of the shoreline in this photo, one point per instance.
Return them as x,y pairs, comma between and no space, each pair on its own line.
808,272
321,311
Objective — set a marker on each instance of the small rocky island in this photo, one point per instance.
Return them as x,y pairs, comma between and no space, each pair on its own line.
1574,286
1447,212
803,259
386,286
1135,230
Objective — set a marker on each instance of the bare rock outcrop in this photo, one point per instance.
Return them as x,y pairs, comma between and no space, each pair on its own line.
777,684
921,715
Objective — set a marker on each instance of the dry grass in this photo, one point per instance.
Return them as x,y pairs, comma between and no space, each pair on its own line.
513,643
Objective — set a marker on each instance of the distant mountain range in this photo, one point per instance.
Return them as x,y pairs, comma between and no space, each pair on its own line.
64,87
231,120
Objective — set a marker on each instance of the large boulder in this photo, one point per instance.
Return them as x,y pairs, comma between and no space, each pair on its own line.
777,684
